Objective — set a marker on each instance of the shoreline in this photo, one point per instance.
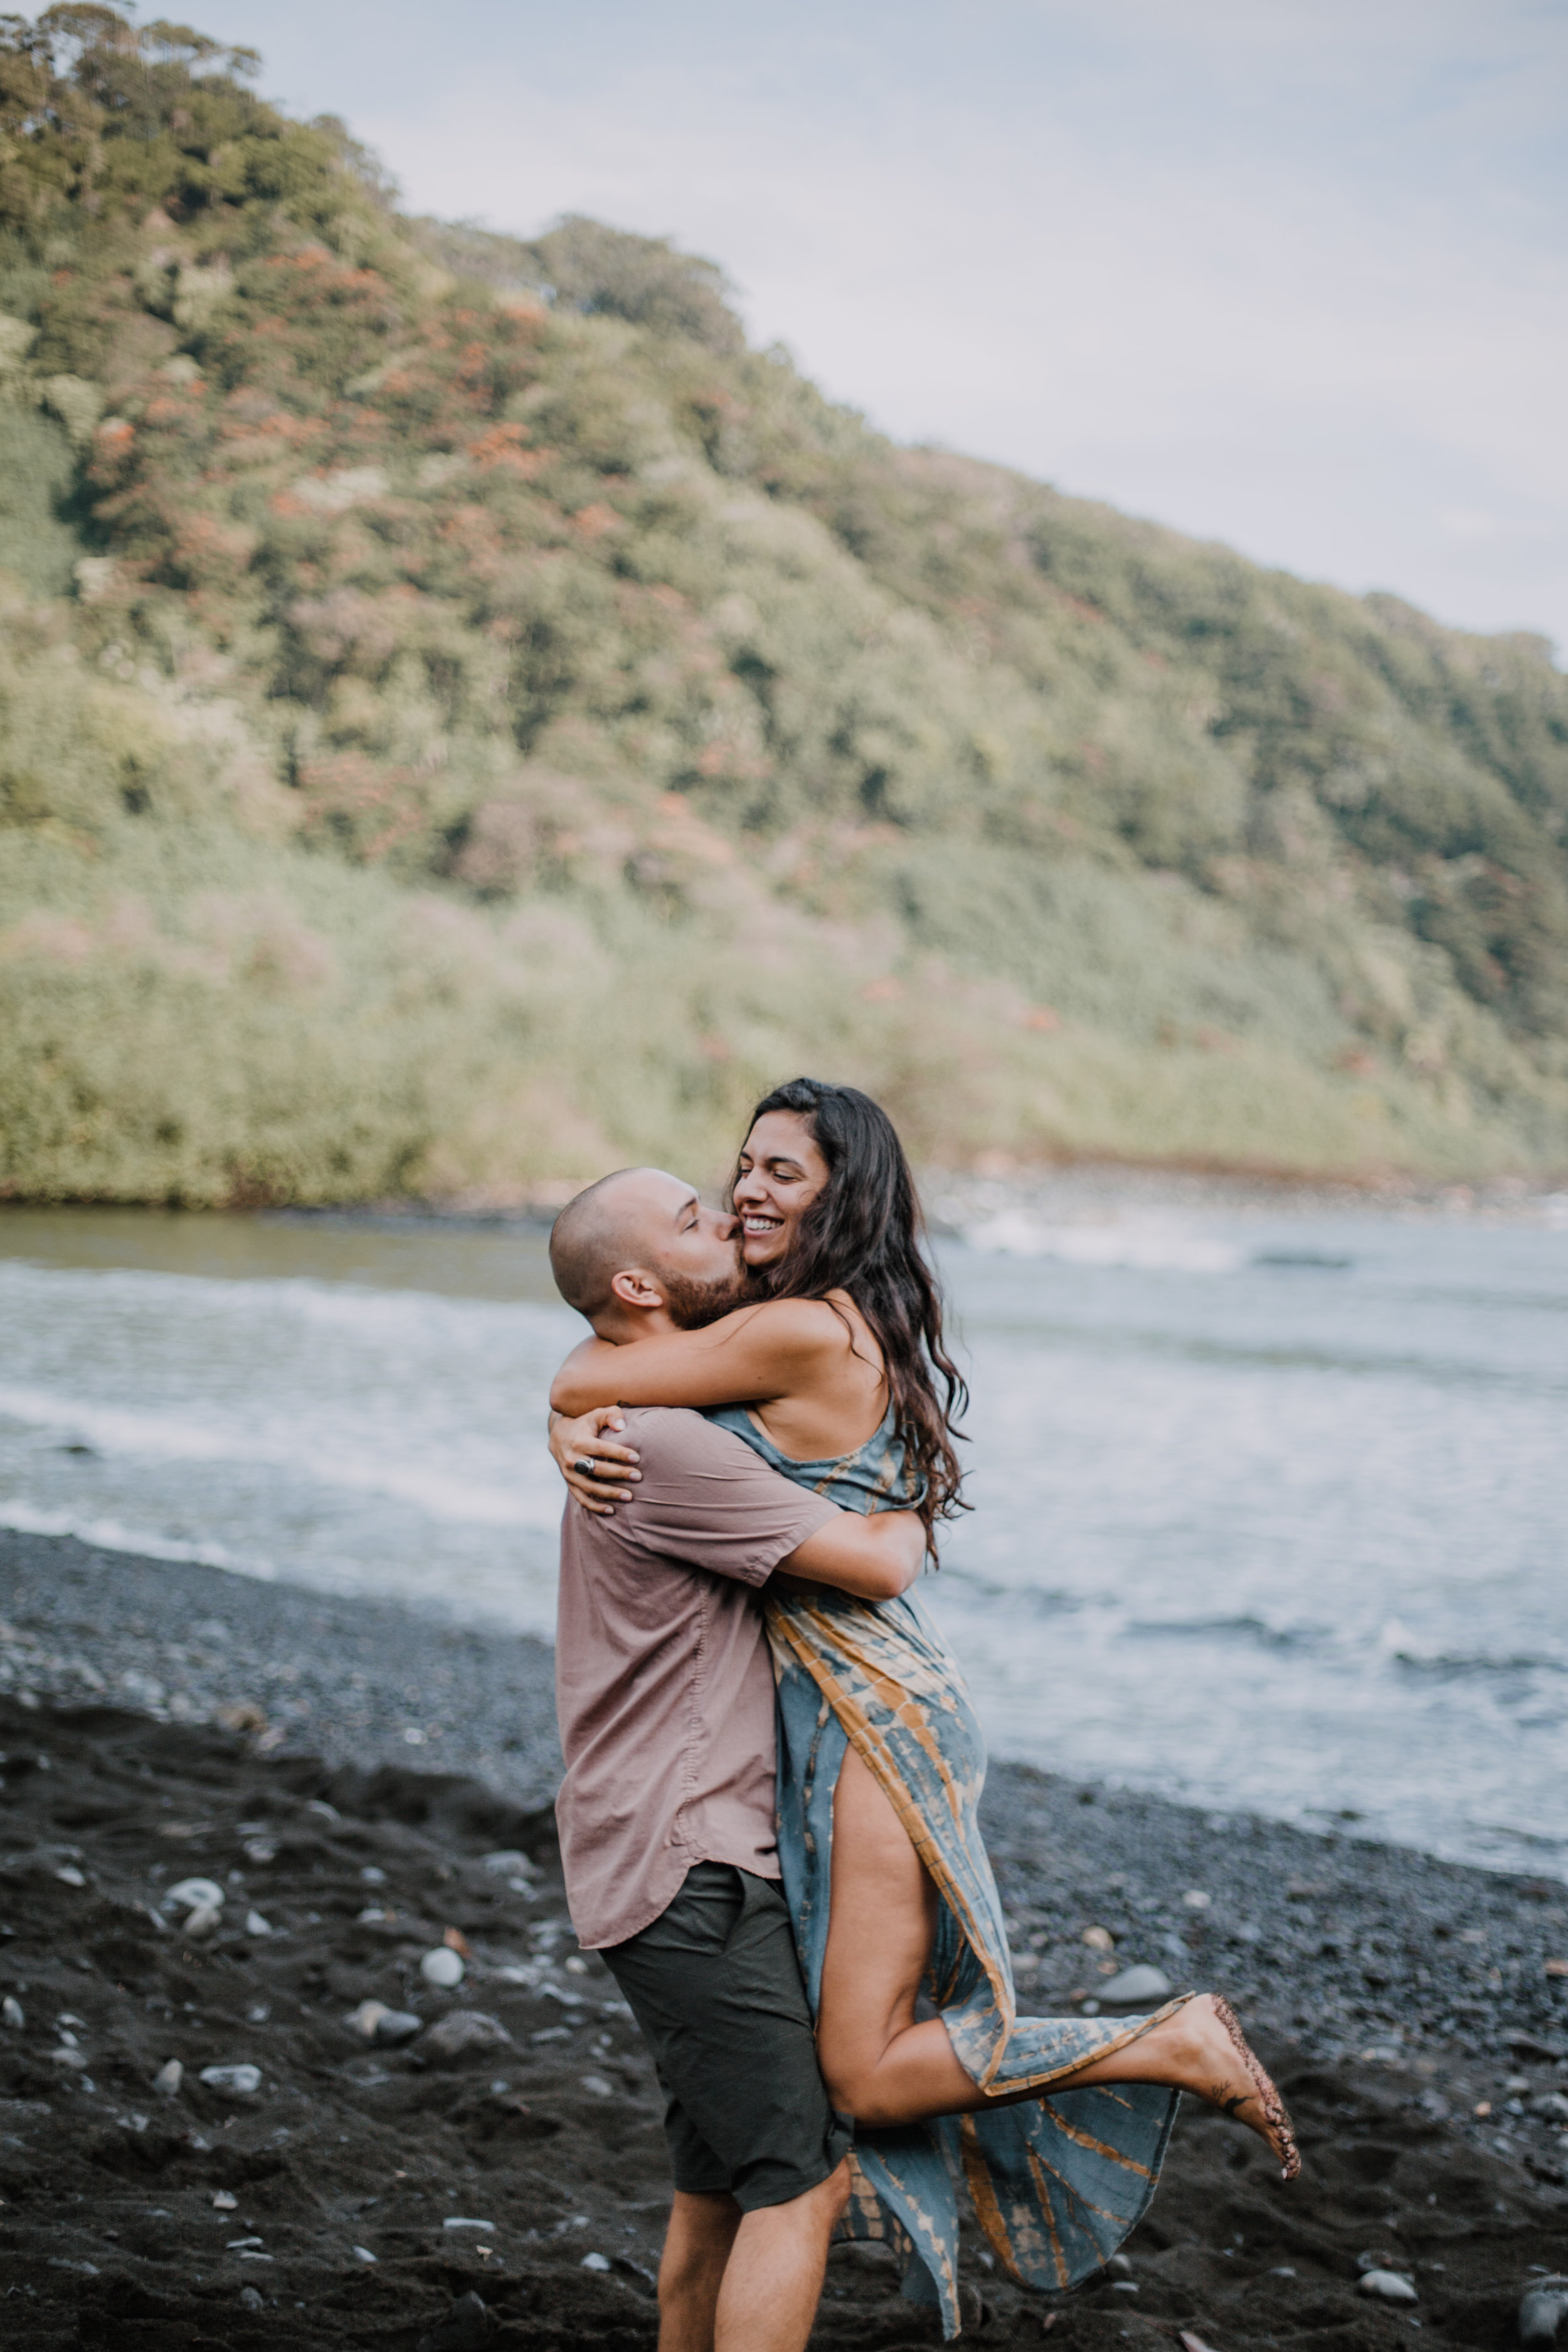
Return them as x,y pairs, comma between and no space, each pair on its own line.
1343,1941
1392,1993
1091,1182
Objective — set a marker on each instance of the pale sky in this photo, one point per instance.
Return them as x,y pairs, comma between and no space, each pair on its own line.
1291,274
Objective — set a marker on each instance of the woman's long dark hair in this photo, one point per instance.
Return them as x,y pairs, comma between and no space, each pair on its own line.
863,1234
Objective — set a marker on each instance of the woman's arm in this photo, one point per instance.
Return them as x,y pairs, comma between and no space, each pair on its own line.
587,1440
875,1556
748,1357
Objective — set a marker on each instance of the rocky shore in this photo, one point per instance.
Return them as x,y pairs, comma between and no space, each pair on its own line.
166,1723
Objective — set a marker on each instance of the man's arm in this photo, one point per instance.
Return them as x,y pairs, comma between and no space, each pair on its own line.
707,1499
875,1556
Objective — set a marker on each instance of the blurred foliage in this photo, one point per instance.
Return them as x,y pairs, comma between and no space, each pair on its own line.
468,720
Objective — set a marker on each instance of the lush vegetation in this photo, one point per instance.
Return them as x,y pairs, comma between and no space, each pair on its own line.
468,720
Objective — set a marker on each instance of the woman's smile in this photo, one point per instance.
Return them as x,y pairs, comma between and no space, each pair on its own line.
779,1173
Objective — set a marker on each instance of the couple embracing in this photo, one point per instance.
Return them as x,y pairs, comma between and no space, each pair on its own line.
769,1819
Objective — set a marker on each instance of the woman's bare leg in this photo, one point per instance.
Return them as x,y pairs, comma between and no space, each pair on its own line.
883,2066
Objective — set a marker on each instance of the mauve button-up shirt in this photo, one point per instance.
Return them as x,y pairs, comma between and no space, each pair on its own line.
664,1685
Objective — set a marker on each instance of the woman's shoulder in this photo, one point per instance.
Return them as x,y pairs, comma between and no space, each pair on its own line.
809,1324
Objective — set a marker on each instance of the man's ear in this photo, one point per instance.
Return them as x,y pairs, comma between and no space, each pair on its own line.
635,1288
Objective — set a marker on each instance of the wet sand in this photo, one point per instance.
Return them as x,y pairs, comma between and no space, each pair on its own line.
360,1854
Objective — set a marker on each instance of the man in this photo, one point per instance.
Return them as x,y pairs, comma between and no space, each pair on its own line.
665,1693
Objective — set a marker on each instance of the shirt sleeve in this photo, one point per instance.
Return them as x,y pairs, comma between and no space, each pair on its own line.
708,1500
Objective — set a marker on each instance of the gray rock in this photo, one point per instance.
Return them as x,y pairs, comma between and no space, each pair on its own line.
1552,2104
197,1894
466,2033
366,2018
1386,2286
237,2082
250,2301
509,1863
1133,1985
1542,2310
11,2011
442,1968
167,2079
396,2027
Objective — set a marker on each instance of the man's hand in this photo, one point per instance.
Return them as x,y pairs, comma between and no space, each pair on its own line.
876,1558
575,1442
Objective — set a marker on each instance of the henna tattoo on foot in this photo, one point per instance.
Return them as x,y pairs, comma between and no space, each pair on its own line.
1278,2128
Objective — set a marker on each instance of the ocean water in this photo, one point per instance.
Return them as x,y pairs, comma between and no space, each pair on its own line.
1270,1508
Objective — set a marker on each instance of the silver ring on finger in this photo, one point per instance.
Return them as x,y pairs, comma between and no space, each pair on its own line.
586,1468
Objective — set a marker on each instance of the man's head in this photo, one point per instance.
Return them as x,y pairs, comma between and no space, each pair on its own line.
638,1252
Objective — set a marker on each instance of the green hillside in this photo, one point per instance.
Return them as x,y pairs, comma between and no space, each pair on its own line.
467,720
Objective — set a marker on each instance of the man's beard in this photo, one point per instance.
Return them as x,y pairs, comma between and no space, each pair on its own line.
692,1305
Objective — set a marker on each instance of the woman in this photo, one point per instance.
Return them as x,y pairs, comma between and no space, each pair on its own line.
880,1758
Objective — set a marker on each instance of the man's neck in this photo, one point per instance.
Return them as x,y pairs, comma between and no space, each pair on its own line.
626,1329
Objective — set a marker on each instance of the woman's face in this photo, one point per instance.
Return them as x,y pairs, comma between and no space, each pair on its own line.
781,1173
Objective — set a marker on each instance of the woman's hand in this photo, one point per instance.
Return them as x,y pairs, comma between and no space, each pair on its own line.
576,1444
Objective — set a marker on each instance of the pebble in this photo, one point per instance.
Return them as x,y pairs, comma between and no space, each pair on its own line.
508,1863
465,2032
597,2087
1386,2286
1551,2103
250,2301
442,1968
1099,1940
362,2255
1141,1983
390,2027
13,2013
204,1920
1542,2310
1196,1900
195,1895
254,1925
167,2079
224,2200
461,2222
399,2025
69,1875
239,2082
596,2263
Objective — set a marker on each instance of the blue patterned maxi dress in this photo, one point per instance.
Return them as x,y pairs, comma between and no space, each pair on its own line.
1059,2182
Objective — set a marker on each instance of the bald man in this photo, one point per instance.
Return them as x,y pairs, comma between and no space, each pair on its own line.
665,1693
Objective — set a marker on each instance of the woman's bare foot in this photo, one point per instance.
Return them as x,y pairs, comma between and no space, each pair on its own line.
1230,2075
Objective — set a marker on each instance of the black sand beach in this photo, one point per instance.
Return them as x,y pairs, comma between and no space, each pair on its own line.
165,1722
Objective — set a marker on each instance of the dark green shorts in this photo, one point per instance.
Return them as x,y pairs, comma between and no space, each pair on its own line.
716,1988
